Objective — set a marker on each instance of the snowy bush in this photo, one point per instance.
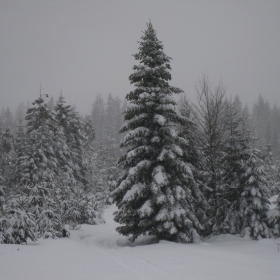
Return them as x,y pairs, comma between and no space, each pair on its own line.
17,224
82,208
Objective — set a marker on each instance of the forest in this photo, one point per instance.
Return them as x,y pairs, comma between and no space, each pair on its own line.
177,170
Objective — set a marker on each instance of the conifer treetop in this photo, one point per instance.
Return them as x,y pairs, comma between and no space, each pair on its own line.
152,74
151,49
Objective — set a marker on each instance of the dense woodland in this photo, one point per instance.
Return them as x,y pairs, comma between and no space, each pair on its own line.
177,170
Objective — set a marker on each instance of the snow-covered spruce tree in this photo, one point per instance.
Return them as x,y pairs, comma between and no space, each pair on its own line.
275,120
269,168
100,162
82,208
2,198
193,155
154,196
98,117
72,127
39,160
20,114
277,178
274,214
73,148
16,222
109,120
62,150
255,196
261,122
7,159
117,120
235,154
107,160
20,150
89,134
89,155
113,122
7,119
37,169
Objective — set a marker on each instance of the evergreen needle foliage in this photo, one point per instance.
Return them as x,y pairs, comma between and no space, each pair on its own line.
154,196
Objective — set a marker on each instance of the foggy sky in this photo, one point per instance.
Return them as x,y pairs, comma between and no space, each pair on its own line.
85,47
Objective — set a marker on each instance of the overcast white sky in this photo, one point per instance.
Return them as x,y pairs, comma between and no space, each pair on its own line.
85,47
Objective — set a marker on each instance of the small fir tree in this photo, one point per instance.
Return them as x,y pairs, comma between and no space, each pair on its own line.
17,223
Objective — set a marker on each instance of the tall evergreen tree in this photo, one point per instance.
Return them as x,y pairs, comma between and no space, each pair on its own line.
7,159
260,118
98,118
37,168
235,154
16,222
72,129
275,142
255,195
89,134
50,104
39,163
246,188
7,119
154,196
193,155
117,120
20,114
20,144
109,120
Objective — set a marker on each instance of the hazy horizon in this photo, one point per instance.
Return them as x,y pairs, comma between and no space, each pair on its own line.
85,47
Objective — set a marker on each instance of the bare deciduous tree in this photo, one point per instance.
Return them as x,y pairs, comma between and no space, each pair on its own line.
212,118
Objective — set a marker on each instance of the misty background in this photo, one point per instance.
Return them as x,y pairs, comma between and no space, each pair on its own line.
85,47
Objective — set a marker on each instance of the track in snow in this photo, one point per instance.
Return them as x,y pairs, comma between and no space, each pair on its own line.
100,253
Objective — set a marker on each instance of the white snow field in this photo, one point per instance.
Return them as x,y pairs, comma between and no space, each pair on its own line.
98,252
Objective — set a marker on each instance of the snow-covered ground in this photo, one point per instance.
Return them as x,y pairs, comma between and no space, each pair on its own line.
98,252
